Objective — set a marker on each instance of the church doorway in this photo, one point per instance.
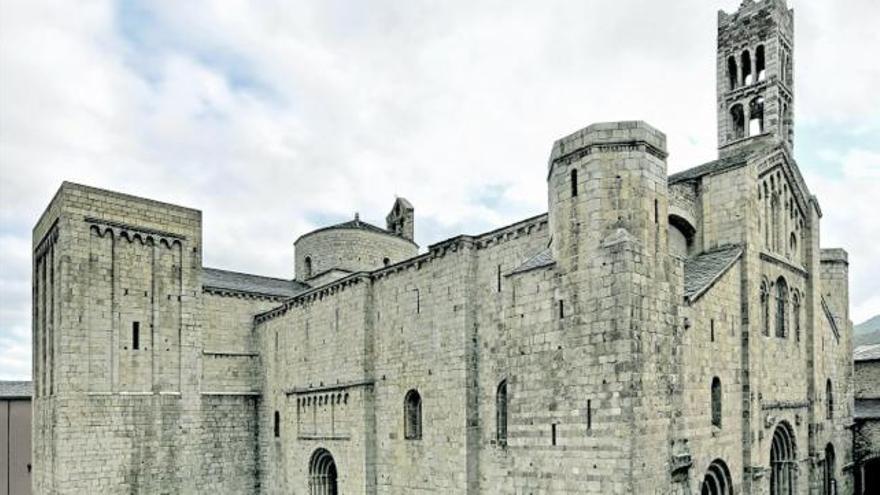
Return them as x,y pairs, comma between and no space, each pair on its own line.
783,480
322,474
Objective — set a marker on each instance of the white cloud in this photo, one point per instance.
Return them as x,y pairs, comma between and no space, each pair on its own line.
272,116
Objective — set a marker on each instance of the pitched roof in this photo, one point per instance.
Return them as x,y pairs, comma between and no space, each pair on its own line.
15,390
729,162
867,353
542,259
252,284
701,271
867,409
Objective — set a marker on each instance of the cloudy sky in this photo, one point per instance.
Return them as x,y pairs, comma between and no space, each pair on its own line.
274,117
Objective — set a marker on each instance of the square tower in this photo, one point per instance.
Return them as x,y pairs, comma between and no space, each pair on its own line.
755,78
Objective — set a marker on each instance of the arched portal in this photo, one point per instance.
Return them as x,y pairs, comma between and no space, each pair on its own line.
830,468
717,480
783,460
322,474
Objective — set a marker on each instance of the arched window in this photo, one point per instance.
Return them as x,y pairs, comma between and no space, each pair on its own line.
756,116
716,402
501,413
717,480
746,68
308,263
574,182
386,261
760,64
781,300
830,484
412,415
775,221
783,469
829,397
765,308
731,71
277,428
793,247
737,121
322,474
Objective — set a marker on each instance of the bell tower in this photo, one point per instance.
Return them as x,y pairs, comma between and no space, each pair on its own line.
755,77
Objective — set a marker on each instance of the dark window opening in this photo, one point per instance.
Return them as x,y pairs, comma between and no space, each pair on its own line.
277,428
498,278
765,309
589,414
135,335
738,121
760,64
731,72
418,301
716,402
781,300
756,116
412,417
386,261
829,394
656,211
712,330
308,268
574,182
501,413
553,434
746,68
561,309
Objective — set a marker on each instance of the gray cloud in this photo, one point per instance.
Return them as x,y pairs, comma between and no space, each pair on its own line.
270,116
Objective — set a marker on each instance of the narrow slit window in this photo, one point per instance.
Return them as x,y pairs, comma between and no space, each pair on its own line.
561,309
760,65
712,330
277,425
553,434
589,414
498,278
135,335
501,413
656,211
574,182
716,402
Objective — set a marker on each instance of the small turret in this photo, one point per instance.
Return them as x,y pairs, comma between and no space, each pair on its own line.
401,219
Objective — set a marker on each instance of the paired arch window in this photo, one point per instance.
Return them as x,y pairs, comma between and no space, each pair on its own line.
412,415
781,300
717,480
716,402
501,399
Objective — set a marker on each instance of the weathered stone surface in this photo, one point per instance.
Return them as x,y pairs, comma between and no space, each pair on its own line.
605,322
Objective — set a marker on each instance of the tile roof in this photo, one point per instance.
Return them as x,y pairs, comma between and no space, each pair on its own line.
542,259
252,284
867,409
701,271
9,389
867,352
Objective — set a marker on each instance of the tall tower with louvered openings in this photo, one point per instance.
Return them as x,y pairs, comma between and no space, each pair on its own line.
755,75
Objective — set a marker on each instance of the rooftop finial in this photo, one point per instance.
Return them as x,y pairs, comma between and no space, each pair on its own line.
357,217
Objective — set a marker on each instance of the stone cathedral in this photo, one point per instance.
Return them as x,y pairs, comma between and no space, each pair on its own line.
650,333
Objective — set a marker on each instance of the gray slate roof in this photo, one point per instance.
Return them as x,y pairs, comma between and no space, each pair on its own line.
867,409
544,258
15,389
252,284
712,167
358,224
867,352
701,271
